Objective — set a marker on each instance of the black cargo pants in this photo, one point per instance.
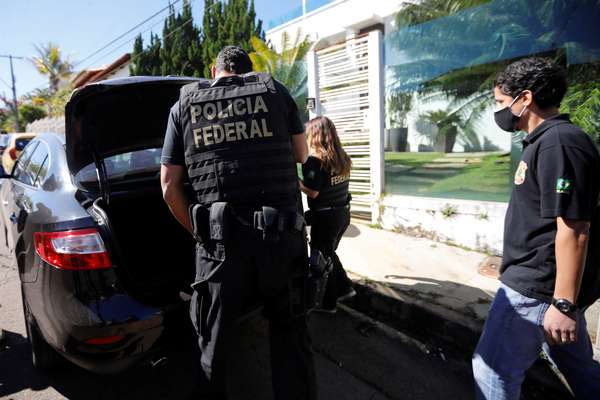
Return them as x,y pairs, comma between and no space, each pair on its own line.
326,231
233,276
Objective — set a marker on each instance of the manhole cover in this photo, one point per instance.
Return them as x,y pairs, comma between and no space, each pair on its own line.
490,267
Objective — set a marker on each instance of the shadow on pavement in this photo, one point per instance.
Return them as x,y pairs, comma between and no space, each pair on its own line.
16,371
174,380
352,231
447,317
250,375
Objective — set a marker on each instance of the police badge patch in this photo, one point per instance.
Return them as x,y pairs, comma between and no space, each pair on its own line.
521,173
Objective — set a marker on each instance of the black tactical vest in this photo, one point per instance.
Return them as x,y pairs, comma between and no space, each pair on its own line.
237,142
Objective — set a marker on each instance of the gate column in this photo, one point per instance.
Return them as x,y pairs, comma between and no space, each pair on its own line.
376,120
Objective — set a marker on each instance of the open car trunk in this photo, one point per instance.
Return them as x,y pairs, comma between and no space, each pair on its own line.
108,125
152,252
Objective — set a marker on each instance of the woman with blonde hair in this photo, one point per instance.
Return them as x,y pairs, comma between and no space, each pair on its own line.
326,178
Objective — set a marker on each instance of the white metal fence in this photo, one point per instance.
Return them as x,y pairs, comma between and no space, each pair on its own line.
343,84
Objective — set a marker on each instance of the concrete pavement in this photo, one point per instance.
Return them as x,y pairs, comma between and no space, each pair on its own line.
437,293
455,283
443,278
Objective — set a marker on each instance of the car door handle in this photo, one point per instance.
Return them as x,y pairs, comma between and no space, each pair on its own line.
13,218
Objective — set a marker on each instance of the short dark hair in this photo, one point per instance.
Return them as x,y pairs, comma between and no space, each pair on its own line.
544,77
233,59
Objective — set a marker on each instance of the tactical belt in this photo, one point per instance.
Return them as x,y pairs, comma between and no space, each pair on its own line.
331,208
271,221
212,222
283,220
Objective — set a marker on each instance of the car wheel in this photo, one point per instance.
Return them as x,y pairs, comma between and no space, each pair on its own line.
42,355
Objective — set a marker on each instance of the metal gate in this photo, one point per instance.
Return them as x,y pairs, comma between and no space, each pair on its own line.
343,85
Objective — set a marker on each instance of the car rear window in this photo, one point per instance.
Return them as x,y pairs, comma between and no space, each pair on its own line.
123,166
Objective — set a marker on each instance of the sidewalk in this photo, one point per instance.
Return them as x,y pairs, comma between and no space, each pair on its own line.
436,279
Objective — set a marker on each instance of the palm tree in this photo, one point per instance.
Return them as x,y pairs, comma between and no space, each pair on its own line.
288,66
452,49
448,125
427,10
50,62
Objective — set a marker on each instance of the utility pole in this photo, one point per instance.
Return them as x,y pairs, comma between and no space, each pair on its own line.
14,89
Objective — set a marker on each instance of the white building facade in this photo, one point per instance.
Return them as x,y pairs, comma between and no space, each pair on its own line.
346,73
411,98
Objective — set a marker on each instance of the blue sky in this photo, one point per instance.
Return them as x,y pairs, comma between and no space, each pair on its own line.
82,26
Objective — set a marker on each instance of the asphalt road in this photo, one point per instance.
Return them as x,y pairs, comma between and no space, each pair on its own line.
18,379
356,360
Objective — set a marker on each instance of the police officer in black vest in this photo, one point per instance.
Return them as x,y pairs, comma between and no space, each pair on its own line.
238,138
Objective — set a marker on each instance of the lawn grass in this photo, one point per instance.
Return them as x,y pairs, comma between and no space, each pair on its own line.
411,159
487,179
489,176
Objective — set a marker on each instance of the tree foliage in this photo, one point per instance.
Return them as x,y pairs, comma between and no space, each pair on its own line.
52,63
288,66
27,114
181,53
231,23
185,49
451,51
582,102
176,52
427,10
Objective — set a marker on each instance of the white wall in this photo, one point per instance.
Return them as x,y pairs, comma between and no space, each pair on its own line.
121,72
48,124
331,22
476,224
484,220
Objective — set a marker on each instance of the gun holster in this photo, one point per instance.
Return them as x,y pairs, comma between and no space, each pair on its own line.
270,221
318,273
210,223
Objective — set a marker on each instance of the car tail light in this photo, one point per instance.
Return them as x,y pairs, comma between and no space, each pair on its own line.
105,340
13,153
81,249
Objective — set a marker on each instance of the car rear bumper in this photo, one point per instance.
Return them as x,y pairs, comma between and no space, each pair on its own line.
113,358
135,336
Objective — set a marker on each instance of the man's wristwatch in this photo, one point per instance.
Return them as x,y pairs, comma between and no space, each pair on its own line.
564,306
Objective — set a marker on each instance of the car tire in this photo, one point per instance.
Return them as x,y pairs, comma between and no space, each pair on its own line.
43,356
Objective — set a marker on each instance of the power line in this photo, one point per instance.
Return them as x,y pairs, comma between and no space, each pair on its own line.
169,34
128,32
131,39
148,29
7,85
178,28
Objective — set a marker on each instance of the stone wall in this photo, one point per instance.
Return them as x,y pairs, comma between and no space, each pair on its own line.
55,124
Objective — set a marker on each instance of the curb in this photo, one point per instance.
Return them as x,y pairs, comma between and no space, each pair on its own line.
434,329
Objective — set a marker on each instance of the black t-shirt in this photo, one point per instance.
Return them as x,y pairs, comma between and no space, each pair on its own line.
332,188
173,151
558,176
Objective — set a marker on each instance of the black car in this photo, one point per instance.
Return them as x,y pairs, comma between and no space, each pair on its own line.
102,261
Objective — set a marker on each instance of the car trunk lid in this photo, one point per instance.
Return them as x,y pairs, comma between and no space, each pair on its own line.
117,116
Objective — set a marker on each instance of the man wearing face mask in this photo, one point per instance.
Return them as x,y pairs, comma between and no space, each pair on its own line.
539,303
